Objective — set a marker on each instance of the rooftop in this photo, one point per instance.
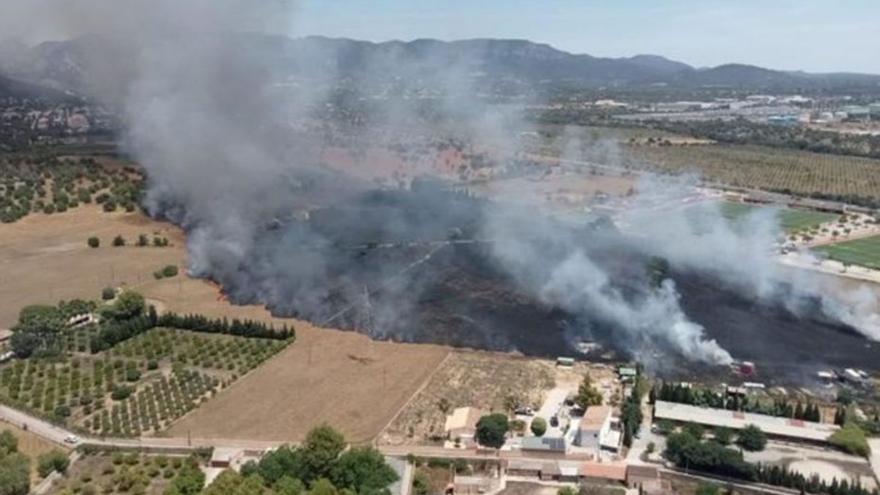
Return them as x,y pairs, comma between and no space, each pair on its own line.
595,417
781,427
608,471
556,444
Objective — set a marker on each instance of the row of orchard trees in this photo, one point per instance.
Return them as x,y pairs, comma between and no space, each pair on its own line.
40,328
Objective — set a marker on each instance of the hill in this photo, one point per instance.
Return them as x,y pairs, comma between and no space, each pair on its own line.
66,65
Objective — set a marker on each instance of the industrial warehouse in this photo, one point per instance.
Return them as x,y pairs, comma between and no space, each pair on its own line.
780,428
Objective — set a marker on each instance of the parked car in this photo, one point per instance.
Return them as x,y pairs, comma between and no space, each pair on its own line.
71,439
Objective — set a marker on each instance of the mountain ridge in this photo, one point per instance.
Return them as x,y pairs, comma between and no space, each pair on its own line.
62,65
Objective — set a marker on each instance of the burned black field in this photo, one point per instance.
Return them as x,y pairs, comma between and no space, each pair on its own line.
417,266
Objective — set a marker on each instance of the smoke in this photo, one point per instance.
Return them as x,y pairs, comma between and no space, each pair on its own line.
225,124
741,253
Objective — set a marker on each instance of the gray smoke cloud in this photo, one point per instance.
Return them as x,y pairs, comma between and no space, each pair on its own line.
217,126
741,253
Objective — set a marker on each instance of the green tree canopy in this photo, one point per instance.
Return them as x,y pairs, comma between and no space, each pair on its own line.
283,461
751,438
587,394
38,312
189,480
323,486
539,427
851,439
492,430
322,446
14,474
363,470
8,443
129,304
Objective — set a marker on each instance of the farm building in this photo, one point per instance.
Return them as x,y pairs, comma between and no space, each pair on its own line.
598,430
461,425
472,485
225,458
544,444
783,428
642,476
602,472
565,362
524,467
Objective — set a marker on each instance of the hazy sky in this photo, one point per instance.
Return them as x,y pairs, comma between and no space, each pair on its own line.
813,35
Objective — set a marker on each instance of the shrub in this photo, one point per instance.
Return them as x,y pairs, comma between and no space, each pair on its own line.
492,430
170,271
108,293
751,438
94,242
851,439
539,427
143,241
118,241
52,461
121,392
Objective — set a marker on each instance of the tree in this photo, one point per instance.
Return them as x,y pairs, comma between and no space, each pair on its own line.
169,271
539,427
587,394
751,438
363,470
851,439
723,435
118,241
128,305
107,293
288,485
14,474
665,427
37,332
143,240
323,486
52,461
321,448
492,430
94,242
189,480
35,312
283,461
421,484
8,443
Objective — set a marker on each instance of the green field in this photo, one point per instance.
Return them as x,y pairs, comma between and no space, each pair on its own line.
863,252
790,220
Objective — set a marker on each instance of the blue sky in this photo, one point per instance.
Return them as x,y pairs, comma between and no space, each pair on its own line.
813,35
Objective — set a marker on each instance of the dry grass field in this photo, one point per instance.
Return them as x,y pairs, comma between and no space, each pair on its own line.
31,446
485,380
45,258
339,378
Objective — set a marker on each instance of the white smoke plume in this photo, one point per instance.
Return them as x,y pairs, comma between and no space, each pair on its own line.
206,114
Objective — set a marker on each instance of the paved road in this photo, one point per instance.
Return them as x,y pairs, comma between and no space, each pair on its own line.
36,426
874,443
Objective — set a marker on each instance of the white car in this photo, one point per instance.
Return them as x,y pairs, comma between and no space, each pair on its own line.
71,439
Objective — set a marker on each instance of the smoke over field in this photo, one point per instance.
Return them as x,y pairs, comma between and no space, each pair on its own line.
231,149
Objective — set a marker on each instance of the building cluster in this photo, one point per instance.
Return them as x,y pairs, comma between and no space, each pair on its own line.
67,118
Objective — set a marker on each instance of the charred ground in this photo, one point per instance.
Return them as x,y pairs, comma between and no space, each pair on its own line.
415,265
